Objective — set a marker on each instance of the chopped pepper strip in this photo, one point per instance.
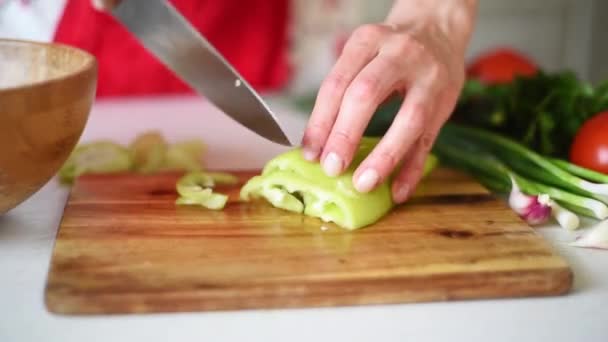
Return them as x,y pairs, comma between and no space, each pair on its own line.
149,150
185,155
223,178
292,183
195,188
96,157
206,198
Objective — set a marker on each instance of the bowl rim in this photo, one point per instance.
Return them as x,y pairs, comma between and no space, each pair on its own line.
89,64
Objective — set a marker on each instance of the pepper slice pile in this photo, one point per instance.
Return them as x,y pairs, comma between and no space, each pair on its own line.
98,157
149,150
292,183
149,153
195,188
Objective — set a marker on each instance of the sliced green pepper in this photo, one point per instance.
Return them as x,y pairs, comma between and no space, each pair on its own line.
205,198
185,155
149,150
195,188
292,183
96,157
222,178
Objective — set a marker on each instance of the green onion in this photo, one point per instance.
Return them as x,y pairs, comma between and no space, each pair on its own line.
509,150
493,184
496,173
576,209
599,209
543,176
566,218
580,171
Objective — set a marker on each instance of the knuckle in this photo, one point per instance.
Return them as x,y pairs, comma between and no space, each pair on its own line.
426,141
334,83
413,46
406,44
418,164
387,157
364,89
391,63
415,125
342,138
368,33
318,128
415,122
314,135
415,168
436,72
412,169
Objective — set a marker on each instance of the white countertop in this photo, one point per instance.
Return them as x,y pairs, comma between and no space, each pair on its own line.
27,234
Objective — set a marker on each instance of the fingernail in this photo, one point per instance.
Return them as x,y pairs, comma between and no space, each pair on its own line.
367,180
402,193
332,165
310,153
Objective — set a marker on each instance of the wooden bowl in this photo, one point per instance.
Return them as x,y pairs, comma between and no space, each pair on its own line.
46,93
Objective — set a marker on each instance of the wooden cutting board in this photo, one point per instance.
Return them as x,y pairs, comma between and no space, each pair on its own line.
124,247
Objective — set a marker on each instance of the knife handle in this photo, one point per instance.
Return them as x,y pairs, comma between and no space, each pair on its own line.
105,5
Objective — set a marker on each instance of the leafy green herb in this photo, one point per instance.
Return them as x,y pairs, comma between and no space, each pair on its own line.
544,112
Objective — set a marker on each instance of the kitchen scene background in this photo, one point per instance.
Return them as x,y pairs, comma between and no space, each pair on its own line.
556,34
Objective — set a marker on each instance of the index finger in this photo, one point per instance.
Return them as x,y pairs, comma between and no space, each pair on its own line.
358,51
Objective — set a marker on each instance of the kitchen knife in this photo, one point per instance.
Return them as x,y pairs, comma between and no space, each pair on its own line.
171,39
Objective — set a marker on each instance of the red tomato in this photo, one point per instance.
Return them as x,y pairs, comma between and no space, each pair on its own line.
590,146
501,66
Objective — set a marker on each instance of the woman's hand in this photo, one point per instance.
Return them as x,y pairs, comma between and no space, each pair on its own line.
417,56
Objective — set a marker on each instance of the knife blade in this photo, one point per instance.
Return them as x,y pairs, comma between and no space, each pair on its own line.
163,31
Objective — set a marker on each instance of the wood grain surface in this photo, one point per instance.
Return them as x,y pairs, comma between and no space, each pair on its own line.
124,247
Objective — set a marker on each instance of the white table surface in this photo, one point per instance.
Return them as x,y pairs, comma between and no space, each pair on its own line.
27,234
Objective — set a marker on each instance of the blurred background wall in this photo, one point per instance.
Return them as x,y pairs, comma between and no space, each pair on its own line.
557,34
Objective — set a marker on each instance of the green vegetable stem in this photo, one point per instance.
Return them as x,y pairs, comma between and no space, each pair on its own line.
494,160
517,155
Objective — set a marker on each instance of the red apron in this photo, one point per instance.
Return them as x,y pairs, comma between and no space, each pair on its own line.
252,35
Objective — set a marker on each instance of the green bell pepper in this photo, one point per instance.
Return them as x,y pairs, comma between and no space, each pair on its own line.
292,183
149,150
184,155
95,157
195,188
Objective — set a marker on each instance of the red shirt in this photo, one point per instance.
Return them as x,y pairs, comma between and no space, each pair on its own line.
251,34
